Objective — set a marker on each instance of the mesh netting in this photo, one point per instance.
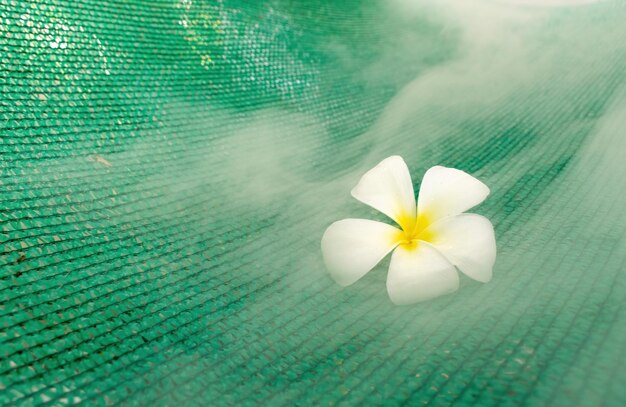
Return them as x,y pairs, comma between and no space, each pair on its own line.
168,168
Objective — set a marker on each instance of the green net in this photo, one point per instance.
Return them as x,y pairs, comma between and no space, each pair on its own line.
168,168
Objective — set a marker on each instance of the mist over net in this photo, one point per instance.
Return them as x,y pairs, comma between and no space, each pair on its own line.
168,170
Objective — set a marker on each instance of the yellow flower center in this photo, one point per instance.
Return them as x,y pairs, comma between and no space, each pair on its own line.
413,230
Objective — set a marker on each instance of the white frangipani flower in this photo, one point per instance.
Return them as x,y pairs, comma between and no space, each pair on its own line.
435,235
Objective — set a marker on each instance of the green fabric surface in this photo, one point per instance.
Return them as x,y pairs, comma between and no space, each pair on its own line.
168,168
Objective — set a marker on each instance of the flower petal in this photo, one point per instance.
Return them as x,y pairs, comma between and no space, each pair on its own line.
352,247
468,242
389,189
447,192
419,274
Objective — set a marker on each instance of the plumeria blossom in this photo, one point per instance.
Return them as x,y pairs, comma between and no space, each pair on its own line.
434,237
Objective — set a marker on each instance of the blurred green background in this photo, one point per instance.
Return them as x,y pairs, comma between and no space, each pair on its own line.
168,168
